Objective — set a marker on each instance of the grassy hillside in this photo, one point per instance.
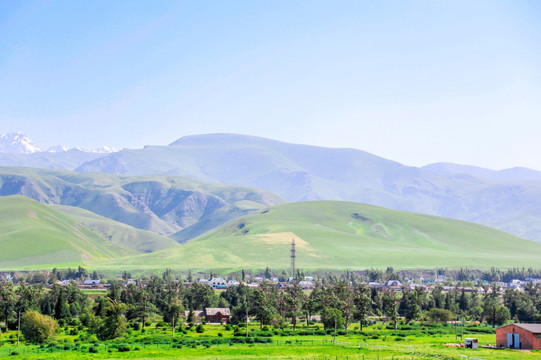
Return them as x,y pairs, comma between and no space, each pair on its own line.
165,205
340,235
34,234
122,235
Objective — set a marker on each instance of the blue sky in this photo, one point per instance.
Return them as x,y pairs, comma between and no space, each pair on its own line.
413,81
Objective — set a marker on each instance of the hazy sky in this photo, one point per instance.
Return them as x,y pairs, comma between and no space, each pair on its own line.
412,81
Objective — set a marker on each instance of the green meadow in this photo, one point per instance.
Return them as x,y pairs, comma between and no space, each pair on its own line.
219,342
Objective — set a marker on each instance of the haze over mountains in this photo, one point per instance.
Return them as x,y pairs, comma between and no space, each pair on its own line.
509,200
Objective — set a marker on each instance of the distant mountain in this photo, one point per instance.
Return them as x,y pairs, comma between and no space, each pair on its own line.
165,205
64,160
17,143
342,235
512,174
302,173
16,149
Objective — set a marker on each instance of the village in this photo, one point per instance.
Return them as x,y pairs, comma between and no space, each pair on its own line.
224,300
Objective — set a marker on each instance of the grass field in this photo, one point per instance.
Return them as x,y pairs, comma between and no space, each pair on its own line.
342,235
376,342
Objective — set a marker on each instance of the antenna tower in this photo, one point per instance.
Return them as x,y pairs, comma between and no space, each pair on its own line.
293,259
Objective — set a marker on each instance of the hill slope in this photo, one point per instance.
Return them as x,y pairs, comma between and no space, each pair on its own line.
302,173
34,234
339,235
162,204
122,235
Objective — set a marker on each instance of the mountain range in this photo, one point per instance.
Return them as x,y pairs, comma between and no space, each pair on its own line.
509,200
303,173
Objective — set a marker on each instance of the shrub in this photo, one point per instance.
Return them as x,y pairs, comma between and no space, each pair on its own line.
199,329
37,328
123,348
93,350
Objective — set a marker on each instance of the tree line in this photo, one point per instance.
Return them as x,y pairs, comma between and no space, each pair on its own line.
337,304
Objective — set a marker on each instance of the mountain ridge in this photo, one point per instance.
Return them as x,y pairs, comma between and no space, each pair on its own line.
162,204
306,172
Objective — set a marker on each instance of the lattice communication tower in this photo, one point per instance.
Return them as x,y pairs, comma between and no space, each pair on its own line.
293,259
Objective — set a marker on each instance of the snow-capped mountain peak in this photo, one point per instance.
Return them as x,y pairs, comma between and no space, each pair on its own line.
57,148
100,150
17,143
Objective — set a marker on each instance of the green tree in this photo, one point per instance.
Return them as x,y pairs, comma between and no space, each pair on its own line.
175,311
439,315
7,303
143,308
28,298
363,304
392,302
412,304
264,310
490,307
114,324
344,300
332,318
37,328
502,315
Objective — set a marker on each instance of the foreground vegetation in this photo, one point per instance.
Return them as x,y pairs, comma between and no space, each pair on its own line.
413,341
156,318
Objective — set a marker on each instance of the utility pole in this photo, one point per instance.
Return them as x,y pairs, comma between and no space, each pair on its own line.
293,259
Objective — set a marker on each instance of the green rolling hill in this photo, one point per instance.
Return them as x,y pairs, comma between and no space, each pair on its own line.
342,235
178,207
35,235
122,235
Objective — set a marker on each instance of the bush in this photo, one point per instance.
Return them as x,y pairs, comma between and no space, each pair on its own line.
123,348
136,326
37,328
199,329
93,350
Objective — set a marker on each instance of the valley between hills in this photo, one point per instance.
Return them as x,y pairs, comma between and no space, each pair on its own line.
181,207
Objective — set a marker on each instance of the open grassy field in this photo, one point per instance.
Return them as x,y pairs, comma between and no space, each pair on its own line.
217,342
340,235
